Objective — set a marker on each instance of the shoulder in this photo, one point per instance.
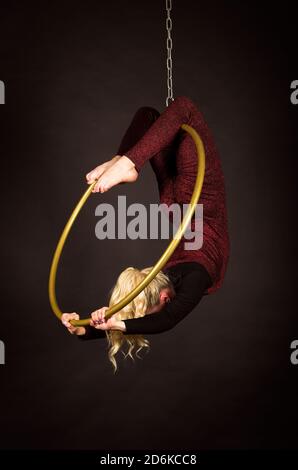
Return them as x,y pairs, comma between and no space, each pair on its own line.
187,277
185,268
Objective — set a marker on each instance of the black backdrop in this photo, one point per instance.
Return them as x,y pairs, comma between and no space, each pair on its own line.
75,72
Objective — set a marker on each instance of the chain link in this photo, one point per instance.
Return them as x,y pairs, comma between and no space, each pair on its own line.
169,53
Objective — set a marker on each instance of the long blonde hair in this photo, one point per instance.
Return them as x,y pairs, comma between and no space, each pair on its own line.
138,307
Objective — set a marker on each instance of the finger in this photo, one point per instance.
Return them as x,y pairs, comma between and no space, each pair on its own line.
65,316
98,318
75,316
102,316
72,316
94,320
95,316
104,310
65,319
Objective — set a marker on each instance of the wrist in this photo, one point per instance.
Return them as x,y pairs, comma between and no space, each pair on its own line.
120,326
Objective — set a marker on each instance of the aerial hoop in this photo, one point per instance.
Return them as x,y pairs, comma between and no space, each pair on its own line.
162,260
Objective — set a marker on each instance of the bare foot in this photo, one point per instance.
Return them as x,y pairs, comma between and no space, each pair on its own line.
122,171
100,169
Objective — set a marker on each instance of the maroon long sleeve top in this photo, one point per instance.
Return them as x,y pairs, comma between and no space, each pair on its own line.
165,144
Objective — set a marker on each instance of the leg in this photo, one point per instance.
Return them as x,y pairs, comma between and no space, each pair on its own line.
162,163
187,166
140,123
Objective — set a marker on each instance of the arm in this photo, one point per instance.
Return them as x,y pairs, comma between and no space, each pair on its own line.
162,132
98,326
188,296
92,333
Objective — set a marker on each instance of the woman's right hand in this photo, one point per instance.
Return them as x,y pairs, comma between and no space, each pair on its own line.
74,330
99,321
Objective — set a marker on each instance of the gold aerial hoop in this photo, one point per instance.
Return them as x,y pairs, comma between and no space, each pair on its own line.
162,260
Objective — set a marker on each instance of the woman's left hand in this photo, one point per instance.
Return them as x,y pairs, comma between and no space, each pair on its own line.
99,322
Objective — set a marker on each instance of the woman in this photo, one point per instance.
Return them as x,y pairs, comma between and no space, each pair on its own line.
173,157
151,300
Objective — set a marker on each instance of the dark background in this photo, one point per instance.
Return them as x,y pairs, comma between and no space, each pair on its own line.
75,73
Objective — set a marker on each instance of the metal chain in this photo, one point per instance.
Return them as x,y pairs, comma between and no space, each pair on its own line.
169,52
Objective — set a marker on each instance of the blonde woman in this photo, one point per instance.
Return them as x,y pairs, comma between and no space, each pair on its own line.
169,297
158,138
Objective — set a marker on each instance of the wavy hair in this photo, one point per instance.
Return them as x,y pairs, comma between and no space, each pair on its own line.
137,308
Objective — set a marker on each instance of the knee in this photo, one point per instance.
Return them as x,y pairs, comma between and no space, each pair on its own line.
147,113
